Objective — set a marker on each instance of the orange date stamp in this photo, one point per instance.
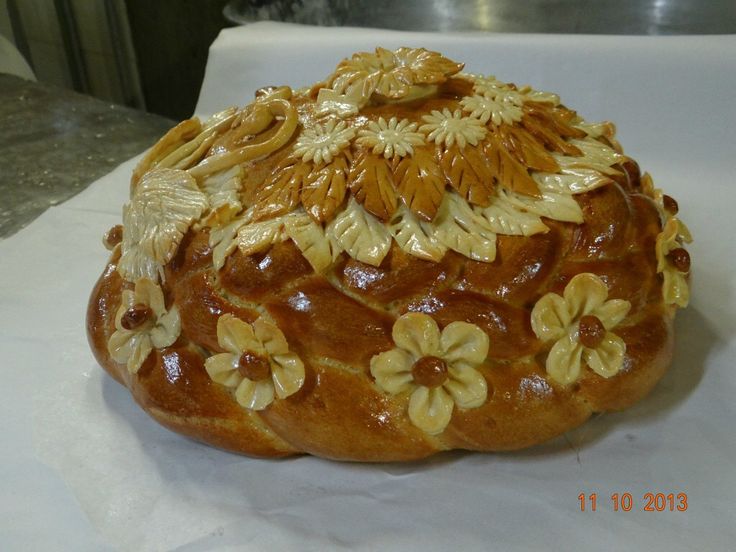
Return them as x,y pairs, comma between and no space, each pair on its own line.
627,502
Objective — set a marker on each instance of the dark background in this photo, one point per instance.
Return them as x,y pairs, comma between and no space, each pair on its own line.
171,40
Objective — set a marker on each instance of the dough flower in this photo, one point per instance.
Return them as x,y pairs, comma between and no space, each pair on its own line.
437,368
392,138
257,364
485,85
495,109
323,142
673,261
451,127
392,73
142,323
580,324
666,205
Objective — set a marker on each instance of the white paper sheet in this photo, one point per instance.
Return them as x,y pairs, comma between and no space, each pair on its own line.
83,468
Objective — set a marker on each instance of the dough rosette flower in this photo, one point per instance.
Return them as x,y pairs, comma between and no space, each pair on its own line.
257,363
323,142
142,323
391,139
438,369
494,109
673,262
580,323
451,127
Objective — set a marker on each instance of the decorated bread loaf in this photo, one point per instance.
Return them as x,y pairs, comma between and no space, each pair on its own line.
400,260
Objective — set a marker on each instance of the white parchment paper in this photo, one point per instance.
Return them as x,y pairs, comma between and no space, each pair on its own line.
82,468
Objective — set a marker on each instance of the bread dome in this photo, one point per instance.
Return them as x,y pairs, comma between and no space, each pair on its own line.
400,260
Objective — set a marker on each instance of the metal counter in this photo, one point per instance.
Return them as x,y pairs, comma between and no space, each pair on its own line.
55,142
636,17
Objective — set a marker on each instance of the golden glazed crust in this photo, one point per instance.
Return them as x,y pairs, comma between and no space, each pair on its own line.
255,270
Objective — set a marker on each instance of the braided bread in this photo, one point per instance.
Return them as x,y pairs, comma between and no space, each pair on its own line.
400,260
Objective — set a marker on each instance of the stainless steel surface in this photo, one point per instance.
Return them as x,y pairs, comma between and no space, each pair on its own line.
640,17
54,143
